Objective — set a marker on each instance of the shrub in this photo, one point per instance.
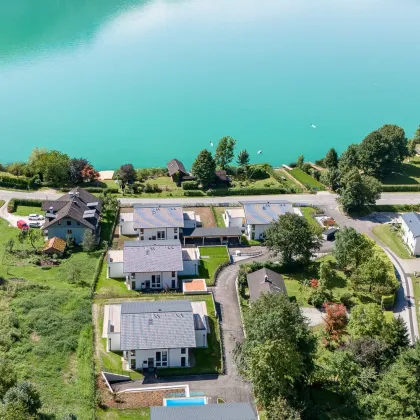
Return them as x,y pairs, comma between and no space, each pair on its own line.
16,183
292,165
190,185
259,171
306,167
319,296
401,188
347,300
193,193
388,302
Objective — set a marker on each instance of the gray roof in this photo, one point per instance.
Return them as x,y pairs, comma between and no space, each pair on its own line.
257,283
229,411
152,256
212,231
412,220
264,213
78,204
175,166
161,324
158,216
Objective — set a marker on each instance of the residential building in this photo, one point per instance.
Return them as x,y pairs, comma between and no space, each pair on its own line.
177,171
72,215
227,411
410,229
259,216
55,246
158,222
127,222
155,334
264,281
156,264
234,218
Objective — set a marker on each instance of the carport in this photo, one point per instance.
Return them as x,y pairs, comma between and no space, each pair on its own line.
213,233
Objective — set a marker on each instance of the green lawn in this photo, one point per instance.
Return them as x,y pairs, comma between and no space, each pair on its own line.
391,238
307,213
307,180
409,175
211,258
129,414
218,215
289,182
27,210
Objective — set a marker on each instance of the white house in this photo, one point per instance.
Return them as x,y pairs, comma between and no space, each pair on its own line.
410,229
234,218
155,334
127,223
260,215
152,264
158,222
171,252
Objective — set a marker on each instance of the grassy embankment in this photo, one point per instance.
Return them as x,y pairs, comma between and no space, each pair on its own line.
307,180
390,236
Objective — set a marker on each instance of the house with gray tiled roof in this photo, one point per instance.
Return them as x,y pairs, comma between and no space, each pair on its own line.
72,215
148,265
155,334
410,228
158,222
259,216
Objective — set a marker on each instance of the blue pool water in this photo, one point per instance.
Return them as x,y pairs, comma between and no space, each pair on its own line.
185,401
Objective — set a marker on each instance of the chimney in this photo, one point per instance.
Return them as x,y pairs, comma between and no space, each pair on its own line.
266,278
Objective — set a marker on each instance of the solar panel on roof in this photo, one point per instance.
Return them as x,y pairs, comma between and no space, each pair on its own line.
94,204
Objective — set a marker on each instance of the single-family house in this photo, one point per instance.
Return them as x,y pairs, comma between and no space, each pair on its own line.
72,215
155,334
191,220
177,171
126,222
410,229
221,177
264,281
158,222
234,218
152,265
259,216
227,411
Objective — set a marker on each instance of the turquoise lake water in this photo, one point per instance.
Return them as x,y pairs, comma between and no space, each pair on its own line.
121,81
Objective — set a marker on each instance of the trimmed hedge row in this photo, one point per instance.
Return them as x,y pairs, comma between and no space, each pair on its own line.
252,191
401,188
89,189
19,183
190,185
15,202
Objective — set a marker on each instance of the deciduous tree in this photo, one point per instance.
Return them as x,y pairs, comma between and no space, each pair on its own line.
51,165
351,248
327,274
367,320
204,168
335,322
8,377
243,158
331,159
300,161
89,173
331,178
224,152
89,241
349,159
292,237
26,394
358,191
280,409
127,174
76,168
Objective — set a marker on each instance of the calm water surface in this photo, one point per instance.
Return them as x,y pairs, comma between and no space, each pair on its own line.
121,81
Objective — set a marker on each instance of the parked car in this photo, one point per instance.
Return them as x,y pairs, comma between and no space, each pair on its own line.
36,217
22,225
35,224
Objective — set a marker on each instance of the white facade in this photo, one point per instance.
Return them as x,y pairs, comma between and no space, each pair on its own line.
127,224
155,281
191,261
115,264
234,218
158,234
156,358
256,232
412,242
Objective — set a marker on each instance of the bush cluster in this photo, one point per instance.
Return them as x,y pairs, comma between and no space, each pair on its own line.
19,183
401,188
190,185
196,193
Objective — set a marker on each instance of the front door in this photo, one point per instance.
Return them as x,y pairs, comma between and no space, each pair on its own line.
133,363
182,361
147,284
150,363
133,285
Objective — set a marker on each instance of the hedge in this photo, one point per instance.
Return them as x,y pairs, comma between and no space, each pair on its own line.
18,183
251,191
15,202
400,188
219,269
190,185
388,302
395,208
197,193
88,189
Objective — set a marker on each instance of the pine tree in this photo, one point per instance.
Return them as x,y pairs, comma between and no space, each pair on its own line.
224,152
243,158
204,167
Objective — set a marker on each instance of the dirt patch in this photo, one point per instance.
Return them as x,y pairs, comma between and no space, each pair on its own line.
35,337
206,215
132,399
70,374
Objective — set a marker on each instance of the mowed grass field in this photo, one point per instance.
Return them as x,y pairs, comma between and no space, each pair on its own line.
409,175
391,238
211,258
306,179
27,210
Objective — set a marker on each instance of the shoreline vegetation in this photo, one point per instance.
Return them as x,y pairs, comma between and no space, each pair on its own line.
384,161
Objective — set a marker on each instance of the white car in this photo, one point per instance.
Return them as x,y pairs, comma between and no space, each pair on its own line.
35,224
36,217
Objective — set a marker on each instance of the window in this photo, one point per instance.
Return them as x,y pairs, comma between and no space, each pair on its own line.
68,222
161,234
69,231
158,354
175,236
164,356
142,238
133,363
132,353
133,285
133,275
175,230
173,284
183,361
173,273
153,238
141,231
183,350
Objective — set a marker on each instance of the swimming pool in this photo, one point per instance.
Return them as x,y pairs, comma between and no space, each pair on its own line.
171,402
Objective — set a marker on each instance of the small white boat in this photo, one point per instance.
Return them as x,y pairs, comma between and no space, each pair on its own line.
259,152
313,125
211,144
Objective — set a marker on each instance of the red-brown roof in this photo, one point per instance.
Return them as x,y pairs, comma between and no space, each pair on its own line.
56,243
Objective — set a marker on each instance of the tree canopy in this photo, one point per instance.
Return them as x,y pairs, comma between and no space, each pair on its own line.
349,159
243,158
292,237
358,191
331,159
366,320
224,152
204,168
51,165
